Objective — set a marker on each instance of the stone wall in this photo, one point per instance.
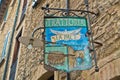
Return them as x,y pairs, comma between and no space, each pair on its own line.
105,28
8,26
109,68
29,67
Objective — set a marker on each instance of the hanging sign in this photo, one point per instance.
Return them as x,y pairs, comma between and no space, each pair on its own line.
66,43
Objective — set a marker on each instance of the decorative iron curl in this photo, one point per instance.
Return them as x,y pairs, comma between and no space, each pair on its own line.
64,11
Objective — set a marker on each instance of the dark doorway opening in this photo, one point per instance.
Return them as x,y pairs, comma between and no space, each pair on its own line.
51,78
47,76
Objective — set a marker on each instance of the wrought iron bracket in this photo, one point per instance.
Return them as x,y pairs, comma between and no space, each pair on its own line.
66,12
36,29
47,10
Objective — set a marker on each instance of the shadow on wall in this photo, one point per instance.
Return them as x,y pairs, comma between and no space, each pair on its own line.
116,78
47,76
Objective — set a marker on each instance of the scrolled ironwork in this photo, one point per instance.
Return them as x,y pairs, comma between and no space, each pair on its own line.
47,11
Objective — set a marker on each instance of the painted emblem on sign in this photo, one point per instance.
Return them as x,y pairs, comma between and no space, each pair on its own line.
65,35
70,49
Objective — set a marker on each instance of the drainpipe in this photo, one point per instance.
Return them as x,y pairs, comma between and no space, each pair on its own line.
11,40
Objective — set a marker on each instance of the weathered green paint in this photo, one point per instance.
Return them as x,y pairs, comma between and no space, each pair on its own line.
65,22
63,49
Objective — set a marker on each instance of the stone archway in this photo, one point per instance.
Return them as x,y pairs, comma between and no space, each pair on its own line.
47,76
116,78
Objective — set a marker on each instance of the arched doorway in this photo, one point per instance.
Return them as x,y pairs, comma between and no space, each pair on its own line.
47,76
116,78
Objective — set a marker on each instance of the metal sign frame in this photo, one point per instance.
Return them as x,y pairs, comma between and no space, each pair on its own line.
82,26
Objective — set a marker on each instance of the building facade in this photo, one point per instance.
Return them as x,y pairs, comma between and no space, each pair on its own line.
19,18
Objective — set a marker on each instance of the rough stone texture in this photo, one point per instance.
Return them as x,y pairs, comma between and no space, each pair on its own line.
105,27
6,28
109,68
33,67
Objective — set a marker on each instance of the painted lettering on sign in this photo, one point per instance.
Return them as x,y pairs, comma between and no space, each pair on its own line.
59,22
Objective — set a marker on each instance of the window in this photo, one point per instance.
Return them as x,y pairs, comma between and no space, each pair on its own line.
0,1
5,47
5,18
15,58
23,9
6,14
23,13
